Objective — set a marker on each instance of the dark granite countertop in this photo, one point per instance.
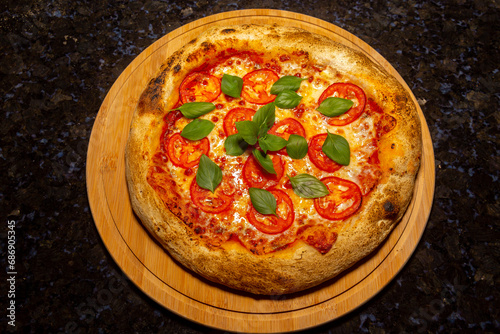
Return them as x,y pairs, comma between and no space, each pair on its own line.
58,59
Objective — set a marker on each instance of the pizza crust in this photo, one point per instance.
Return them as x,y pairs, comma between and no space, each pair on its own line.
300,266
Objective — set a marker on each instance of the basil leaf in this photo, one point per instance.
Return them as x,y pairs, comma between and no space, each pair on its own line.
265,117
337,148
235,145
308,186
334,106
248,130
263,201
209,175
231,85
287,99
297,147
271,143
264,160
197,129
195,109
290,82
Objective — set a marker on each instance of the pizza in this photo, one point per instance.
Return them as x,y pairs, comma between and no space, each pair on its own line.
270,159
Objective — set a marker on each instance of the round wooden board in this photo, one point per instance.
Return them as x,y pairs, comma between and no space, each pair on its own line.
179,290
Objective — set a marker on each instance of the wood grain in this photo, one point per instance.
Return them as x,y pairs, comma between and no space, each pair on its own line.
189,295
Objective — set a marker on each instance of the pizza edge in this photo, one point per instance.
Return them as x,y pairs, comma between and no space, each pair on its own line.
301,266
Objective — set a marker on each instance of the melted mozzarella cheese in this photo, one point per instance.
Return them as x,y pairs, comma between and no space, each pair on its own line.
237,66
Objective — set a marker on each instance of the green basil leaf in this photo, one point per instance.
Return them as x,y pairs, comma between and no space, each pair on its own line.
265,117
231,85
209,175
337,148
308,186
248,130
334,106
195,109
287,99
297,147
264,160
197,129
235,145
271,143
290,82
263,201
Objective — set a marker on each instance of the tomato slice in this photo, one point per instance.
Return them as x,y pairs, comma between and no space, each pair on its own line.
270,224
344,199
215,202
256,176
186,153
257,86
346,91
287,127
236,115
199,87
318,158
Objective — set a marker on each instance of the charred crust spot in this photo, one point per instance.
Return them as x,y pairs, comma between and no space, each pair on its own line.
171,60
199,230
205,50
192,41
155,96
150,101
207,46
391,210
160,79
177,68
155,91
389,207
227,31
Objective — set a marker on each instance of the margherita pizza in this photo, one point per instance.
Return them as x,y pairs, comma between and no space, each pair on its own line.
270,159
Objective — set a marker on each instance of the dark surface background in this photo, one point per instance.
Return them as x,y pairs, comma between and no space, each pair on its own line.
58,59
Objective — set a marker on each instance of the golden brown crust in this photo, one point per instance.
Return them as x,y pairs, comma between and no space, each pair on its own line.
300,266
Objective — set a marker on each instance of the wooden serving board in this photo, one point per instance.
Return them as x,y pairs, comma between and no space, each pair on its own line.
185,293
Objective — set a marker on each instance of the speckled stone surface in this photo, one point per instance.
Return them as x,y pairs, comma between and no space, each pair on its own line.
59,58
